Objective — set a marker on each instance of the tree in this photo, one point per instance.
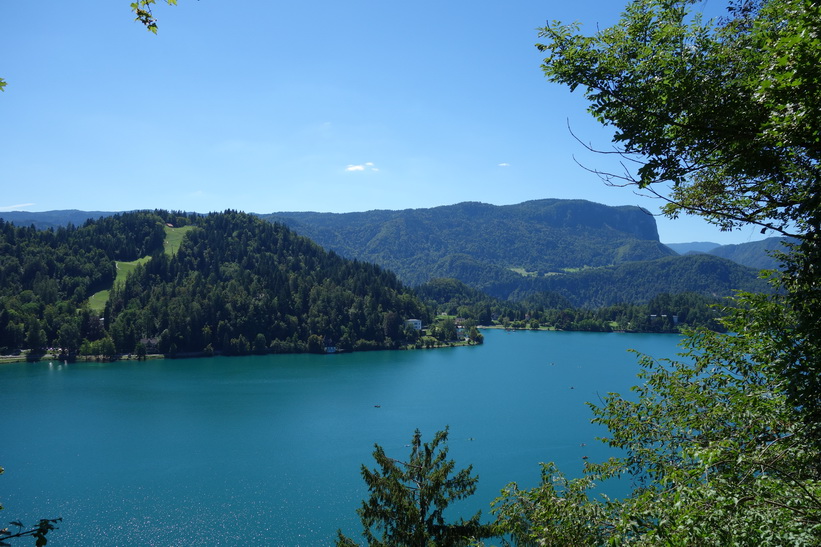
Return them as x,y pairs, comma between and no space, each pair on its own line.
728,115
36,337
445,331
712,444
723,446
408,499
69,338
727,112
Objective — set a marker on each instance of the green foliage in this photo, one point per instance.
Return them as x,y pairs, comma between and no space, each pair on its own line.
19,530
762,255
717,454
237,282
723,446
556,513
638,282
587,287
661,313
408,498
227,283
142,9
727,112
445,330
591,254
47,275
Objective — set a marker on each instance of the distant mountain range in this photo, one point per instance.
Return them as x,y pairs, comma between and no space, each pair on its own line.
695,246
483,244
589,253
755,254
52,219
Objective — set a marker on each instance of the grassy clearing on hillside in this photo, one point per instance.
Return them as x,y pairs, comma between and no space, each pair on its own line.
98,300
523,272
174,237
125,268
173,240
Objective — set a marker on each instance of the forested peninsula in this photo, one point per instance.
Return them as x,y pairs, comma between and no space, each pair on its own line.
235,285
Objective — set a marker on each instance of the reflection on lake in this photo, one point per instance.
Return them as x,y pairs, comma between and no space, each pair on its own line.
266,450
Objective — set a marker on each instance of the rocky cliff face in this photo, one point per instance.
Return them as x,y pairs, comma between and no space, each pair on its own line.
625,219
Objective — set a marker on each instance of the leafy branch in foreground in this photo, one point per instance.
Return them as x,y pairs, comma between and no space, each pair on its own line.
722,447
145,15
38,532
715,452
728,114
725,112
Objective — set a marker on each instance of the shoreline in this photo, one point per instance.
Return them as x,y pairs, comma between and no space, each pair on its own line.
24,358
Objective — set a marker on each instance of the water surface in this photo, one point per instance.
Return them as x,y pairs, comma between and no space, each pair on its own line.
266,450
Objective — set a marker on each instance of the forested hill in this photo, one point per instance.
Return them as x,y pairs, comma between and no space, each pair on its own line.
639,282
589,254
480,243
755,254
237,284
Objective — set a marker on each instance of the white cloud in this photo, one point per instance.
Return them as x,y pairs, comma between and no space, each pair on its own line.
19,206
504,164
367,166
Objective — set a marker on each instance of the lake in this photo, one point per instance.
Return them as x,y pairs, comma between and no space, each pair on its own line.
266,450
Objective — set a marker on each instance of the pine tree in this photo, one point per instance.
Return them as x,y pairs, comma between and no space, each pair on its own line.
408,498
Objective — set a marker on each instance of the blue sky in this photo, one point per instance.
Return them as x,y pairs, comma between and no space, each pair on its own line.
267,106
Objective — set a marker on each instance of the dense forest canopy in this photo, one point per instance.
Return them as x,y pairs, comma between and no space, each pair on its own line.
663,312
240,285
237,284
46,276
721,118
762,255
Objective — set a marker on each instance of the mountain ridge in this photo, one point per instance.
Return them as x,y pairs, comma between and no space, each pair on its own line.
538,235
589,253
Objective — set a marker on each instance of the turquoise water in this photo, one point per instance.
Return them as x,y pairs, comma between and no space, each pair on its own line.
266,450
